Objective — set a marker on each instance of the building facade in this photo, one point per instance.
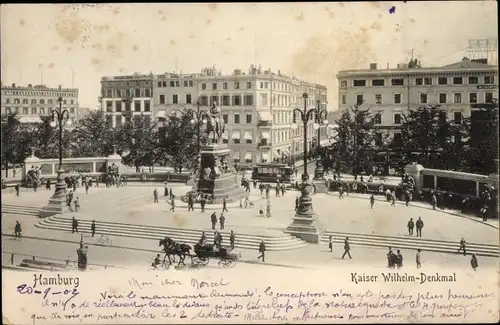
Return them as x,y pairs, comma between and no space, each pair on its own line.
30,102
393,92
123,97
256,106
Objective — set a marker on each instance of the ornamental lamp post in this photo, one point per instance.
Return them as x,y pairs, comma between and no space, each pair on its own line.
320,119
306,224
57,203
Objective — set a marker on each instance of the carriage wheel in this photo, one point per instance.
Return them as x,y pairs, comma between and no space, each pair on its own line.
230,263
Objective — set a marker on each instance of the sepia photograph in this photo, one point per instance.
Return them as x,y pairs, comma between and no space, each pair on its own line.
272,162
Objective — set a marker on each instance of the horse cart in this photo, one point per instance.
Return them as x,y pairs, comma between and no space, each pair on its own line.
225,255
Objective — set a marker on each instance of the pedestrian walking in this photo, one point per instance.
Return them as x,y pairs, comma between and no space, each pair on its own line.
390,255
171,193
232,238
262,251
17,230
434,201
74,225
372,201
462,246
224,205
400,259
393,198
330,243
341,191
87,187
347,248
268,209
16,187
77,204
222,220
165,193
172,204
283,189
419,264
155,196
190,203
420,225
296,204
213,219
473,262
47,184
69,198
203,201
410,226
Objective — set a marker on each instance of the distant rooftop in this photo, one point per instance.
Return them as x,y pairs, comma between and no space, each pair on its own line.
37,87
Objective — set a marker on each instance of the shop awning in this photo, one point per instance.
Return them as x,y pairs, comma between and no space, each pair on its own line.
235,135
160,114
265,116
285,151
225,135
265,156
236,155
248,135
248,155
265,135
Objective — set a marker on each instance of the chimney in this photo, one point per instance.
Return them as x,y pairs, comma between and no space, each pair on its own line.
13,85
373,66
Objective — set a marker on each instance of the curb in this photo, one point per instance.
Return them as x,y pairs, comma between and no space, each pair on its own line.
427,208
147,250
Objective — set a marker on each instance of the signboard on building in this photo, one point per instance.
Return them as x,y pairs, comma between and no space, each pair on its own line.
487,86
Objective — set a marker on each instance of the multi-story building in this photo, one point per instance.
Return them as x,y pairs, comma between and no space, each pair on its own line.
257,108
31,102
123,97
393,92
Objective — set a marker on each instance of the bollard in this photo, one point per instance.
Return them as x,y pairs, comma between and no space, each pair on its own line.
12,259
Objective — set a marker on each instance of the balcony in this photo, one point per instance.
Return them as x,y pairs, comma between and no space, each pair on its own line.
264,145
263,123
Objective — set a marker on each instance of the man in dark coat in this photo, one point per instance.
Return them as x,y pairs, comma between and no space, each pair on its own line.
17,230
203,201
190,203
410,225
155,196
400,259
296,203
224,207
232,238
420,225
347,248
74,225
82,257
16,187
462,246
213,219
372,201
262,251
92,228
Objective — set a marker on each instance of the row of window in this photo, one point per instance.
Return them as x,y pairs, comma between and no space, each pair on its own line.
175,83
398,119
424,98
40,101
118,93
127,119
427,81
39,93
34,110
127,106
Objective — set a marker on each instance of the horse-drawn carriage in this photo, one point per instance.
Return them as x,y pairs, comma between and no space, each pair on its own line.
201,256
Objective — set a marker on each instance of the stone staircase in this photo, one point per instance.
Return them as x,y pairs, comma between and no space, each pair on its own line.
20,209
189,236
408,243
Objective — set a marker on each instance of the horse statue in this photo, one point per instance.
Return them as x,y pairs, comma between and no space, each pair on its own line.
215,124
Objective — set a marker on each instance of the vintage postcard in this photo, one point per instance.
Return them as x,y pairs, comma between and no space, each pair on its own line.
330,162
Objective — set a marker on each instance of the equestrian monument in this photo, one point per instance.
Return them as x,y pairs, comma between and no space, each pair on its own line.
216,178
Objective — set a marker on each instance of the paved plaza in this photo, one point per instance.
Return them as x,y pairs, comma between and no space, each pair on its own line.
134,205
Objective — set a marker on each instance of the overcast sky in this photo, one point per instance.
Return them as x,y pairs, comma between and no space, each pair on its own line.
313,41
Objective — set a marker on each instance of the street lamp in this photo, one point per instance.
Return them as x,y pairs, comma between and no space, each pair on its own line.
305,116
57,203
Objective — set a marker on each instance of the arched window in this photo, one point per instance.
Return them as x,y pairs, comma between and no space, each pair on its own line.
17,101
42,111
50,101
33,110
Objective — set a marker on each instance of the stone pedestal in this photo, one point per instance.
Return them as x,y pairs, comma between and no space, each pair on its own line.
415,171
57,203
217,180
306,224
